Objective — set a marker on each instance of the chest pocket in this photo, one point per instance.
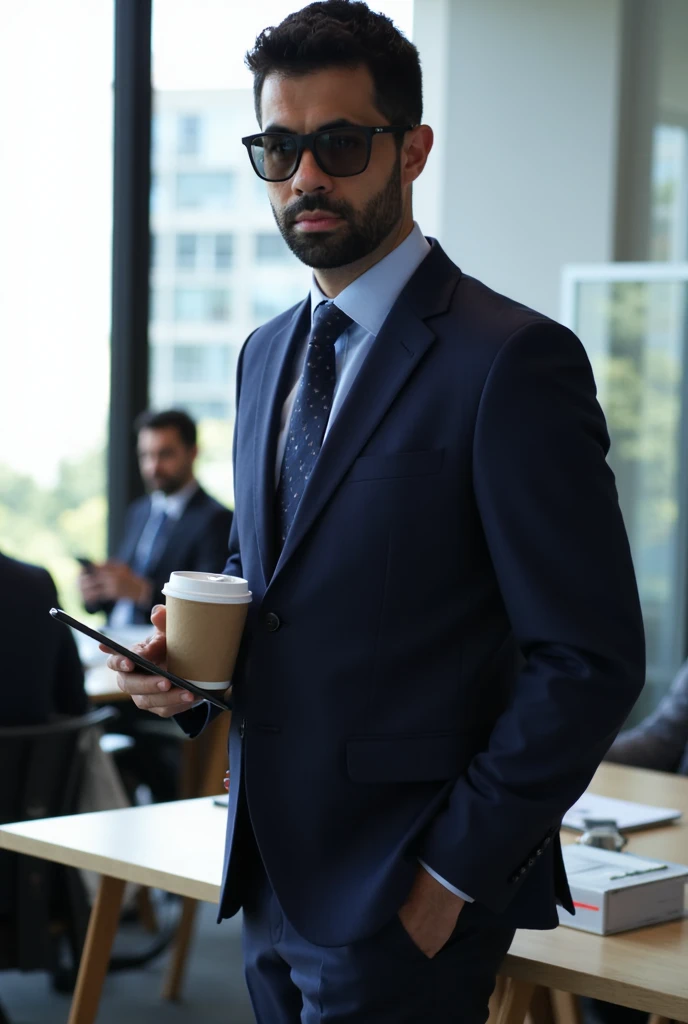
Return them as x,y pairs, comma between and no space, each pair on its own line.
400,464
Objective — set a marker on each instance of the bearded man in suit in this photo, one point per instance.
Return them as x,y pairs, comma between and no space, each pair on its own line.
442,584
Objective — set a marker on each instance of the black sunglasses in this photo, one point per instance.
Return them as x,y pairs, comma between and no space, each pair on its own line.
340,152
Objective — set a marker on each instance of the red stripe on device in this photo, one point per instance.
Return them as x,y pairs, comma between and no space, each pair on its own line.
585,906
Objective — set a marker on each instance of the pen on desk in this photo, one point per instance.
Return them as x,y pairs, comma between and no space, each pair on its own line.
639,871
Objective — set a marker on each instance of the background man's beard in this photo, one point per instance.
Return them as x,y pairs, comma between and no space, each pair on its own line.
363,233
168,484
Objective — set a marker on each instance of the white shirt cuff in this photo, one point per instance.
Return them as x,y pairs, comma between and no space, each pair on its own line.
445,883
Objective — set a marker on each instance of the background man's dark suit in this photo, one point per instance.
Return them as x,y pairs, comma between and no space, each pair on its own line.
41,671
197,542
451,636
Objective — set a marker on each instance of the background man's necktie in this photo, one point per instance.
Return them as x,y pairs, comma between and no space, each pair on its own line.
152,539
310,414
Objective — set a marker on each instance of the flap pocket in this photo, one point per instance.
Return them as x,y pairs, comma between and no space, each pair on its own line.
381,467
425,758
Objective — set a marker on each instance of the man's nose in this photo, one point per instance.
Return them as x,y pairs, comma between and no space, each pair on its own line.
309,177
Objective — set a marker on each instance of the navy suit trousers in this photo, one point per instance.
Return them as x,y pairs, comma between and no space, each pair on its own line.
383,979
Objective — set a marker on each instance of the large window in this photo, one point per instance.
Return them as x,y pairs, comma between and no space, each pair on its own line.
633,319
669,213
56,126
271,248
201,304
205,189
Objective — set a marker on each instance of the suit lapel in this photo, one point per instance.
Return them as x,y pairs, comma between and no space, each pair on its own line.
278,371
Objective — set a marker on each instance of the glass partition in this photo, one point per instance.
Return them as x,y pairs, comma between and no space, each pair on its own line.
633,320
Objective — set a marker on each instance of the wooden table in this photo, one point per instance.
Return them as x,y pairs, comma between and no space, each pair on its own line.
100,684
646,969
203,765
178,847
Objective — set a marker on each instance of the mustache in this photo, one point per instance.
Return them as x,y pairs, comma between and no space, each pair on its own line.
309,204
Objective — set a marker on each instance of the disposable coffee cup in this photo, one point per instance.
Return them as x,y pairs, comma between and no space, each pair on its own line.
206,614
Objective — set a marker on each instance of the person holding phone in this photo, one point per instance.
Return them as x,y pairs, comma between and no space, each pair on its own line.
442,583
176,525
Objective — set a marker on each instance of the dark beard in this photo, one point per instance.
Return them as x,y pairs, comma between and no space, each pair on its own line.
365,231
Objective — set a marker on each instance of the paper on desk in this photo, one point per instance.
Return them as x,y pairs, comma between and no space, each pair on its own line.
595,868
628,816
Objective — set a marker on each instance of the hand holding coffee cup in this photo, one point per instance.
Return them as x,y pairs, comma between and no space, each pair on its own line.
176,647
206,614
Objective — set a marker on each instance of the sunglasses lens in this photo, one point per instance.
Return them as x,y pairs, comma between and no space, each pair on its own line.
342,151
274,156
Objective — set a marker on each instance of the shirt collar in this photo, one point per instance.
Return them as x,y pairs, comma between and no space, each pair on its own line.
174,504
369,298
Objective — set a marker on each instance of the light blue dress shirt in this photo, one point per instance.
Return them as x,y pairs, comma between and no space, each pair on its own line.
174,506
368,301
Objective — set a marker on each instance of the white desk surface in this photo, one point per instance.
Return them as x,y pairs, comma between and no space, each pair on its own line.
178,847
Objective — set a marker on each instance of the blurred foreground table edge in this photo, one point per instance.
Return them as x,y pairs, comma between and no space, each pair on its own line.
133,844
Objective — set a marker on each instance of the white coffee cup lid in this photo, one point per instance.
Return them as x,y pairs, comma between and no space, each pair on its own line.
208,588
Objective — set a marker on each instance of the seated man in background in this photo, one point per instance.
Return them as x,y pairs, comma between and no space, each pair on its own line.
41,668
660,741
176,526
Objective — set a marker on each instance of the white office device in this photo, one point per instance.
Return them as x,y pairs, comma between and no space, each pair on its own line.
614,892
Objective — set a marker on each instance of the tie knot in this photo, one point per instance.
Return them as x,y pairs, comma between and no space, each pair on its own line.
328,323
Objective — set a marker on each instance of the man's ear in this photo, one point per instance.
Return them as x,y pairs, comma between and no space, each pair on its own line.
415,151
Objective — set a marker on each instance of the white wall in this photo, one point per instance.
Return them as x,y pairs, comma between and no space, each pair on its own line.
524,99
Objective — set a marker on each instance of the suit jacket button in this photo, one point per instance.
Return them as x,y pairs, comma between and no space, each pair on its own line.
272,622
242,728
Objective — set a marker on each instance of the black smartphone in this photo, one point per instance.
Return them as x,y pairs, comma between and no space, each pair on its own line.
86,564
143,663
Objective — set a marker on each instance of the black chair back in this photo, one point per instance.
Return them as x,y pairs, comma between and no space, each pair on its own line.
41,768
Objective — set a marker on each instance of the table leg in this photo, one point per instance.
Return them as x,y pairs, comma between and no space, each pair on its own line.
211,770
541,1010
515,1002
656,1019
215,760
175,970
496,999
146,910
566,1007
95,958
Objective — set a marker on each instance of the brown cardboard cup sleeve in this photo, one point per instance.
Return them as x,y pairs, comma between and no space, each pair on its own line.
206,614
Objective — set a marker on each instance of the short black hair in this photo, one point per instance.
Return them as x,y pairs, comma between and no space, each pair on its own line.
343,33
177,418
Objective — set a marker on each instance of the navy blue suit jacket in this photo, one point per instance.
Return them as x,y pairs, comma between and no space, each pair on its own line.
451,636
41,671
197,542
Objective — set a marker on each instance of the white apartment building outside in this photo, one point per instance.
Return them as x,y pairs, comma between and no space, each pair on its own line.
219,267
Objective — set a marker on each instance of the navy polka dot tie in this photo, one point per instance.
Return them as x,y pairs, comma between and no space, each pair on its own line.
310,414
